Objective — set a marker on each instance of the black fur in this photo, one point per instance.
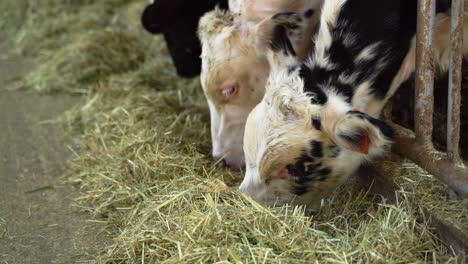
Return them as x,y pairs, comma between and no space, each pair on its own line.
292,69
178,21
322,174
386,130
443,5
310,86
316,148
317,124
281,42
308,169
309,13
390,23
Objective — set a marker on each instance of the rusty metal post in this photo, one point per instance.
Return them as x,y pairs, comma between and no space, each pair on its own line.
428,158
424,104
455,79
418,146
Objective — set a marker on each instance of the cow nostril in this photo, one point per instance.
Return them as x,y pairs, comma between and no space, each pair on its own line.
222,164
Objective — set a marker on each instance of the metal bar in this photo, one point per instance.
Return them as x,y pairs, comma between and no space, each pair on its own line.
455,79
424,91
428,158
454,238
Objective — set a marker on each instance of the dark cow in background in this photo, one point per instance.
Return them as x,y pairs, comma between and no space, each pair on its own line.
307,135
177,20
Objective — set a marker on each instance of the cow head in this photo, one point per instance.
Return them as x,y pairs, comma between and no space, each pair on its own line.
177,20
302,141
234,72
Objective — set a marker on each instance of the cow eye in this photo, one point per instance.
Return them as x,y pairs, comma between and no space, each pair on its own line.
229,92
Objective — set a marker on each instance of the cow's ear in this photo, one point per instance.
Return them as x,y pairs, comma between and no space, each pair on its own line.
357,131
275,32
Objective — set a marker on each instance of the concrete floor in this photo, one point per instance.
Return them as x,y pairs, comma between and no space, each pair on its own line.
39,226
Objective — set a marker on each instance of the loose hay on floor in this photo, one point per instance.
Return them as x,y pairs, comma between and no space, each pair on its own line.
143,166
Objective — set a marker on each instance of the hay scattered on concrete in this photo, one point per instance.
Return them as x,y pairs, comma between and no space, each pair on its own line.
143,169
86,61
49,24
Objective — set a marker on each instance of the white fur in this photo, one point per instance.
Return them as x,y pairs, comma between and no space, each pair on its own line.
361,95
368,53
323,39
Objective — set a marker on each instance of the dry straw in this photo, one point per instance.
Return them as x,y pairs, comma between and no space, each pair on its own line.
142,166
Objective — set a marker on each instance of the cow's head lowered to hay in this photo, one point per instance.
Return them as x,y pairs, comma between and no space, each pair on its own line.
307,136
235,67
298,151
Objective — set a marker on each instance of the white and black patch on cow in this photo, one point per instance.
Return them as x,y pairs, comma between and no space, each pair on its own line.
360,50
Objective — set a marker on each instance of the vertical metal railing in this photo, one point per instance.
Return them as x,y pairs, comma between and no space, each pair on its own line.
455,79
418,145
424,83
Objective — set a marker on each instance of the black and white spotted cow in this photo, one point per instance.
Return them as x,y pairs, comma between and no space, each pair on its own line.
318,121
235,68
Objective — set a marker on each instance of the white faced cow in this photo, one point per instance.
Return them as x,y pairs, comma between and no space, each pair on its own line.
317,122
235,67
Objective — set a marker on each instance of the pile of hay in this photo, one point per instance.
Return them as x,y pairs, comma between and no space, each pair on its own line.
143,164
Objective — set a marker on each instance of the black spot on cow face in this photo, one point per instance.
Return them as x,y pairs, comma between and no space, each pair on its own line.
315,173
317,124
309,13
322,174
316,148
308,168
